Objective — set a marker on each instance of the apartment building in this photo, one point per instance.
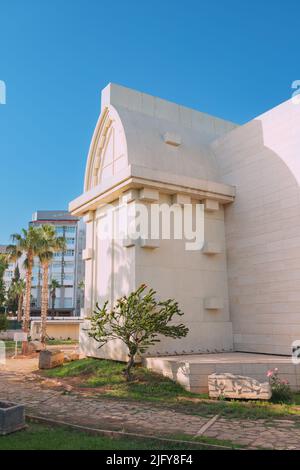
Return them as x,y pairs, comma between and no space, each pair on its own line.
67,267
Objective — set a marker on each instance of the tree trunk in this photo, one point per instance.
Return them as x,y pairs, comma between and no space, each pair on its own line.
53,295
20,306
53,298
127,371
44,304
26,318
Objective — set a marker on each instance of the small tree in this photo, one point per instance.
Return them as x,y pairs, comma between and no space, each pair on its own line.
137,320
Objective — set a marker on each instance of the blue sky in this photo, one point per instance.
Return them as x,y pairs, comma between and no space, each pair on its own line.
234,59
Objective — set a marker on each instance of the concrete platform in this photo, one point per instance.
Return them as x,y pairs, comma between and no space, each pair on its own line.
192,371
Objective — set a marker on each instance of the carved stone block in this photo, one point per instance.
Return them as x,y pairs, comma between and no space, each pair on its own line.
50,359
237,386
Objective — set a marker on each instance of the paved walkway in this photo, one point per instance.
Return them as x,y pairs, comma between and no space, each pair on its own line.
103,413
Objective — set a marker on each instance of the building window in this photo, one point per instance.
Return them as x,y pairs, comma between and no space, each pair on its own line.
56,264
69,264
68,302
69,253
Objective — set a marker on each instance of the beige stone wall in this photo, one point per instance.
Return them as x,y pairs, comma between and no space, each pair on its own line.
90,348
263,230
191,277
57,330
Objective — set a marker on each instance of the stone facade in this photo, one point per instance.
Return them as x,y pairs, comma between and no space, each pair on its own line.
239,289
261,159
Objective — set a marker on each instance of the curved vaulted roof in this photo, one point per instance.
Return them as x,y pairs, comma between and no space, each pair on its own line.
140,136
138,129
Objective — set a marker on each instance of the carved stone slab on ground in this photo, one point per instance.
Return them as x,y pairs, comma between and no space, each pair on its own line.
35,346
237,386
71,356
51,359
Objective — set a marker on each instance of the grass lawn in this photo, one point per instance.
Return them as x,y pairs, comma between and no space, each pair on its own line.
44,437
10,347
57,342
9,344
107,380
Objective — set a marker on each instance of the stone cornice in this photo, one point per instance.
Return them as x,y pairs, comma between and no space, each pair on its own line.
135,177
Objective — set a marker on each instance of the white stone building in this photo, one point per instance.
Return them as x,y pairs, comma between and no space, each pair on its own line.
240,291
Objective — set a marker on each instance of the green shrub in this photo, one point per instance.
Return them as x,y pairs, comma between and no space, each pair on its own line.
281,390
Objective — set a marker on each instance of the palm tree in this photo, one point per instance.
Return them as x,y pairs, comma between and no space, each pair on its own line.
53,286
17,292
27,243
49,245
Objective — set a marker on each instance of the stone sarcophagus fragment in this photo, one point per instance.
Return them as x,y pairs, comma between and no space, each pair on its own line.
51,359
237,386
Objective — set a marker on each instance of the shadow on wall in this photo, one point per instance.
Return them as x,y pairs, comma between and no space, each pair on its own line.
114,349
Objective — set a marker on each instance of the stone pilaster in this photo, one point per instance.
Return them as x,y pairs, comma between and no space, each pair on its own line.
89,219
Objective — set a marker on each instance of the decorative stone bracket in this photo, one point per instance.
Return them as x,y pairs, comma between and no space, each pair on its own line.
211,248
142,242
181,199
213,303
149,243
149,195
87,254
128,242
210,205
172,138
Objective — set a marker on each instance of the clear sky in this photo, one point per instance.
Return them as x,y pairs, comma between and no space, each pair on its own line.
231,58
